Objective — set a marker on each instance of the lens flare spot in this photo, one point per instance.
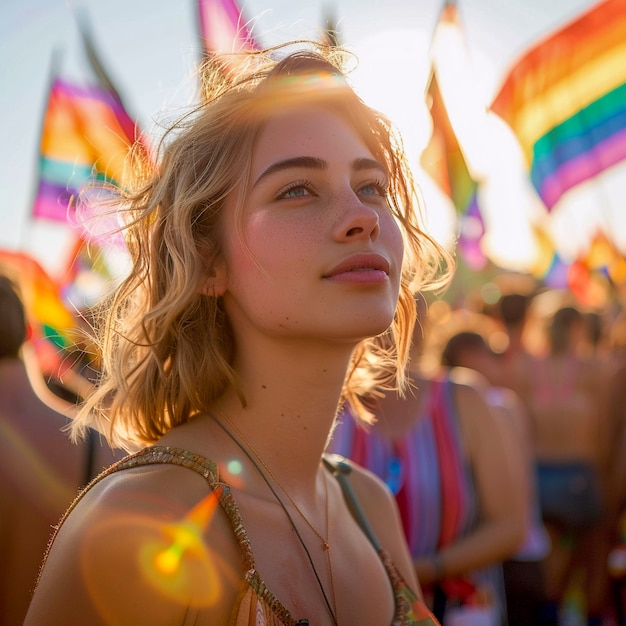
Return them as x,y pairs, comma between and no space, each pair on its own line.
167,561
232,471
234,467
172,558
178,560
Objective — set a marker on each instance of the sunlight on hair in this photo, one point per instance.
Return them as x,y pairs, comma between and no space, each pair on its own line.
311,81
294,89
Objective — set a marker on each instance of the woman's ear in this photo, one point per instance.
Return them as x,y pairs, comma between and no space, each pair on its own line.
215,283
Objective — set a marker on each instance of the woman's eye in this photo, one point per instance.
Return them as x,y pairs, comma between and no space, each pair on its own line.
374,188
299,190
296,192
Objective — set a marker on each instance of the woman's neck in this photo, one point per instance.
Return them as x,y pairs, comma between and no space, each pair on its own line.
290,435
291,400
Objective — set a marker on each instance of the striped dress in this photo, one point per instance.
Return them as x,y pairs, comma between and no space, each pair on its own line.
431,478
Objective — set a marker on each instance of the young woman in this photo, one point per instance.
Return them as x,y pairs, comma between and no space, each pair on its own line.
276,237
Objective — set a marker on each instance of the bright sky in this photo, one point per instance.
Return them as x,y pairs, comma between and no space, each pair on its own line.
150,48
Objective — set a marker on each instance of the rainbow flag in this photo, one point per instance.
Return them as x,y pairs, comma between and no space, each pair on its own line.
602,255
443,160
86,132
52,324
565,99
595,275
223,28
548,267
471,231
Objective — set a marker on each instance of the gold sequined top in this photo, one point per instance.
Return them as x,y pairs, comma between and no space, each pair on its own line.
256,604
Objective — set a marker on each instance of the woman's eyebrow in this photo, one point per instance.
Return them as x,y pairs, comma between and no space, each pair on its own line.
368,164
300,162
318,164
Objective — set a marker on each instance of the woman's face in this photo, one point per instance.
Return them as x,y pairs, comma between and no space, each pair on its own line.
321,254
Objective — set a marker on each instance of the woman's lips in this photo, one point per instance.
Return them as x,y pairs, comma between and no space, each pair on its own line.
361,268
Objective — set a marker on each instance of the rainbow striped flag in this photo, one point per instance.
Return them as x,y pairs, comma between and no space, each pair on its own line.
548,267
565,99
443,160
223,28
86,133
52,324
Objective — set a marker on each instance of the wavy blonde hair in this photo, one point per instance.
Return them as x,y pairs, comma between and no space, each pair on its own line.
166,348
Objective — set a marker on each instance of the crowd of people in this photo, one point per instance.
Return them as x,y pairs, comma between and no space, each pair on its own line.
299,428
539,466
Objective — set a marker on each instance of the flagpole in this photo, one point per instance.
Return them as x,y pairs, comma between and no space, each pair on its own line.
103,76
199,32
331,27
53,71
446,4
86,34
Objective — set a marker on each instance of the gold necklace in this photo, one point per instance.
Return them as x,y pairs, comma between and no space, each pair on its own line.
324,541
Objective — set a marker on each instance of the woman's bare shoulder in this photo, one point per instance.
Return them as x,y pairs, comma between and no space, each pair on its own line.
138,547
479,423
470,401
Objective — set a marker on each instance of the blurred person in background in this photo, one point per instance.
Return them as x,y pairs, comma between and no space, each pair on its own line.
616,491
616,409
473,361
512,312
565,394
457,477
41,471
596,336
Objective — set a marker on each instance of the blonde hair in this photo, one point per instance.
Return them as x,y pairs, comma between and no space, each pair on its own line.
166,347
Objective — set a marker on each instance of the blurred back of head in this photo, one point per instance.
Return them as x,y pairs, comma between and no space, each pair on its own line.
565,322
12,320
461,345
512,309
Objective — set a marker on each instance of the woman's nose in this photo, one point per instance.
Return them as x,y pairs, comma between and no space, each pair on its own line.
356,219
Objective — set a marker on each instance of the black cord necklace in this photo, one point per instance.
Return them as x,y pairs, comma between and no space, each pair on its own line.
251,457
